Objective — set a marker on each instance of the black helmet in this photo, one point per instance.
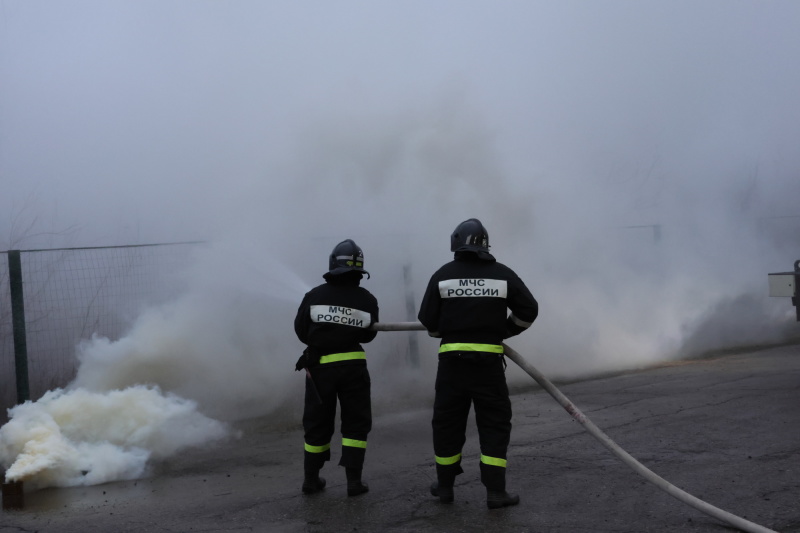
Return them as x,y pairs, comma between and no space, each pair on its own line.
346,257
470,236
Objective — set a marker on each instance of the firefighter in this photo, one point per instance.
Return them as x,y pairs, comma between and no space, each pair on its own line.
466,304
333,320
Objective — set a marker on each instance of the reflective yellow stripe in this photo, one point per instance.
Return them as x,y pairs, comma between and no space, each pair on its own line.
347,356
317,449
353,443
494,461
470,347
448,460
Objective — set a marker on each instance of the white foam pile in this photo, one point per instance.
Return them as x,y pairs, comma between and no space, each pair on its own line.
78,437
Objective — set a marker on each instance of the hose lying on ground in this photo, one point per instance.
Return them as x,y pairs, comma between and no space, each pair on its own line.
605,440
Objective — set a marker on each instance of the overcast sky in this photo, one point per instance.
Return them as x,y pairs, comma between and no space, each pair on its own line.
113,114
289,126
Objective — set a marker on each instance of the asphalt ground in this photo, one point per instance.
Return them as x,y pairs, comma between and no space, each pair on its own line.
725,429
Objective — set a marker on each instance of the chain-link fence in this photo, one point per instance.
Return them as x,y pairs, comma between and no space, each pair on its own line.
71,294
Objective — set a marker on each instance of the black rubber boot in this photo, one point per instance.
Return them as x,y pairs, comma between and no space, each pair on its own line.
445,494
495,499
354,484
313,483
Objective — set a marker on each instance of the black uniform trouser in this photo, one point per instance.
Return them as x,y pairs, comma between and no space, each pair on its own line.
350,383
461,382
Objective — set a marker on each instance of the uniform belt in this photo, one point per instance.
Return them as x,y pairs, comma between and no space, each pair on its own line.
471,347
346,356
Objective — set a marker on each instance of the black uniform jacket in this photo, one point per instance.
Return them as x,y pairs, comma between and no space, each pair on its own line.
467,299
336,318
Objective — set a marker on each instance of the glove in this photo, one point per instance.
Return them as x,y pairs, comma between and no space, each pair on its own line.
301,363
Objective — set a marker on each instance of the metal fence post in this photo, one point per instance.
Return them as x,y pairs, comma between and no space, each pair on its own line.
411,310
796,296
18,324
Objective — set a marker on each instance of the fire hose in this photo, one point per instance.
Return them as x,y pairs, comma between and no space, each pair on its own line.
702,506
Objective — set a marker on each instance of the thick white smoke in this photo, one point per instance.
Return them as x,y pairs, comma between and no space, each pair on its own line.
613,295
228,344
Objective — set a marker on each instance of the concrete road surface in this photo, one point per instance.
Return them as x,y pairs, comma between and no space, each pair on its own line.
725,429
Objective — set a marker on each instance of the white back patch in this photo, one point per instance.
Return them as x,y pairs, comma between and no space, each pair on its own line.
467,288
335,314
